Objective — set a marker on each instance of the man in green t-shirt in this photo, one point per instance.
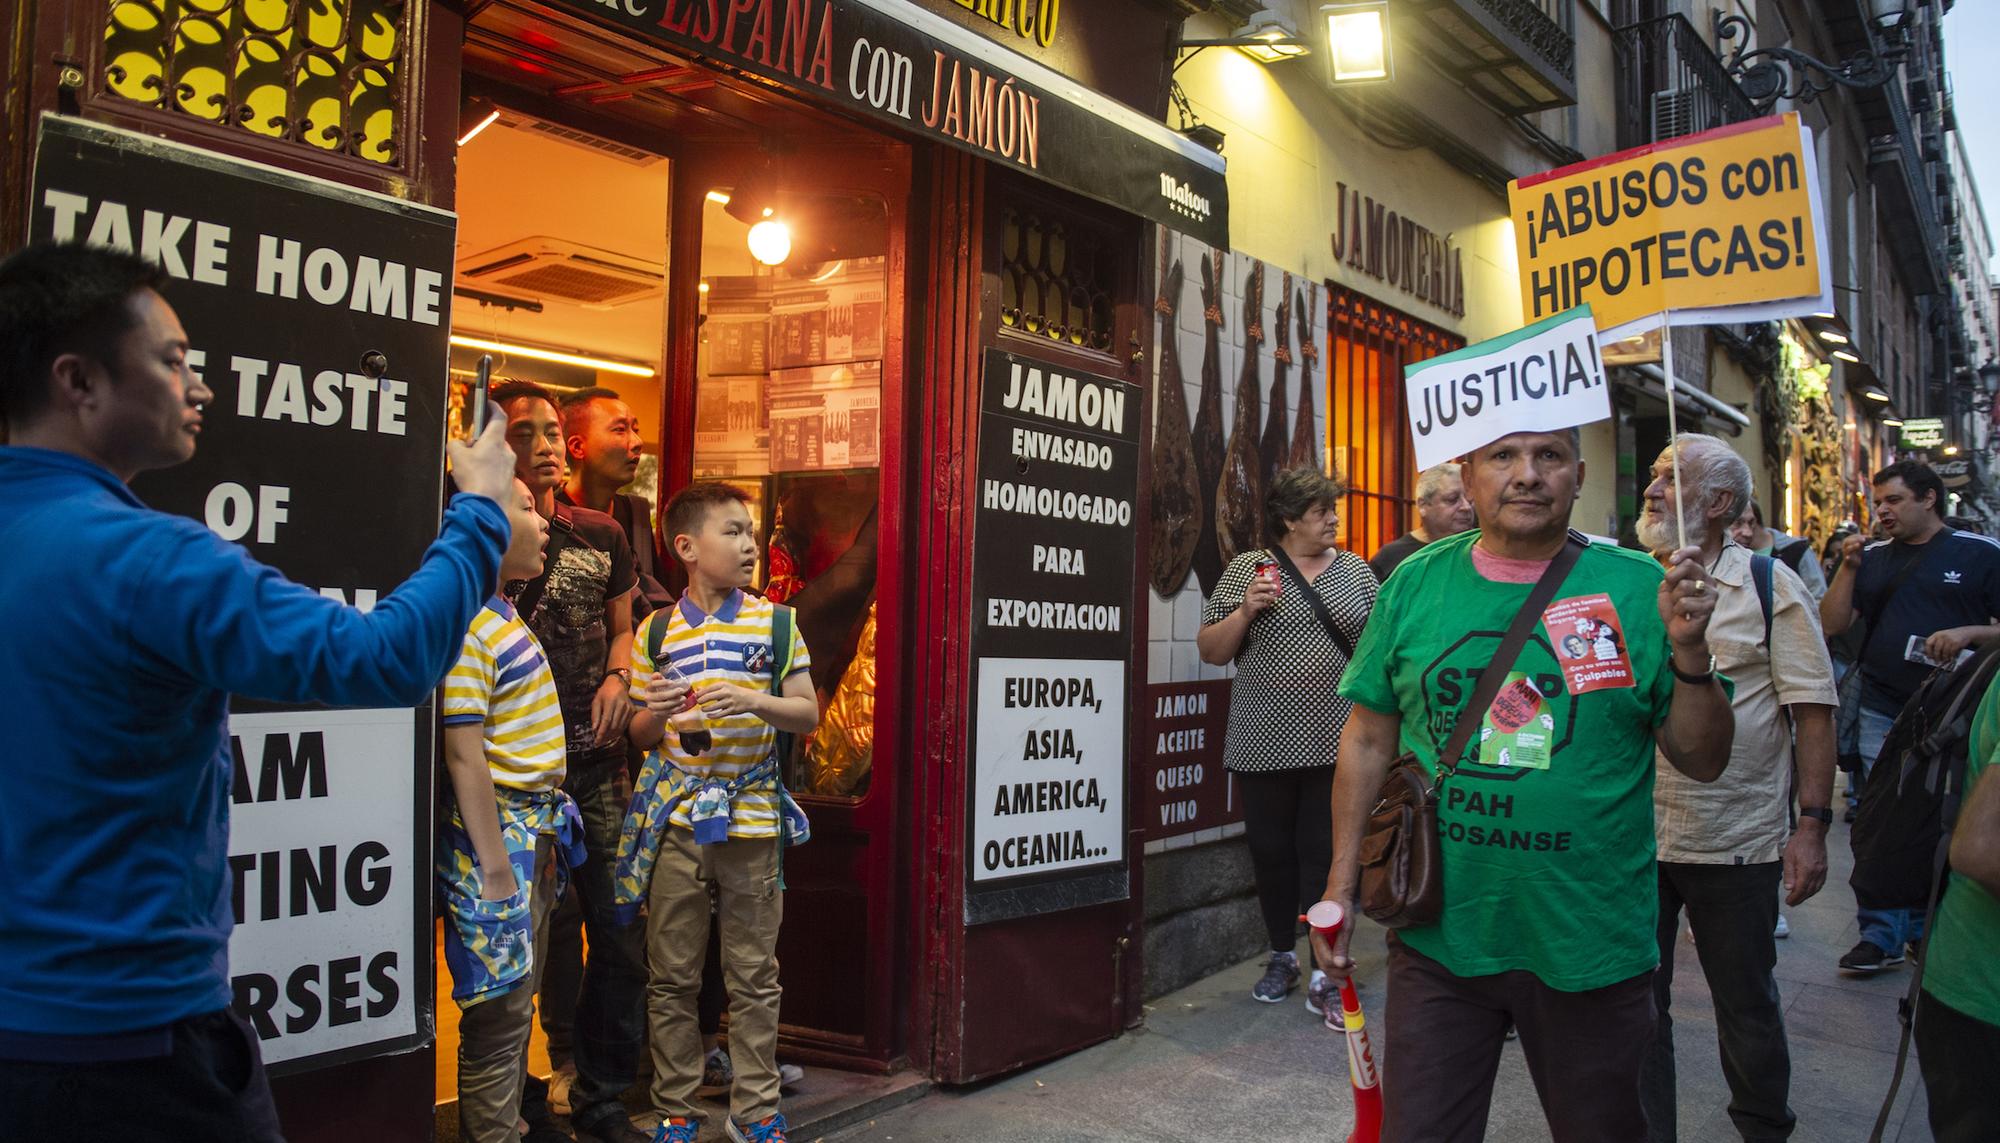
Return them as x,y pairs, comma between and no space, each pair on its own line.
1958,1015
1547,828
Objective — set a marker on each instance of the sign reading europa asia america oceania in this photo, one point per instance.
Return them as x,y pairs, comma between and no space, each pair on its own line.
1055,543
318,315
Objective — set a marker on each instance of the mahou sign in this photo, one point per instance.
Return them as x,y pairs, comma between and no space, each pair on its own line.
317,314
920,72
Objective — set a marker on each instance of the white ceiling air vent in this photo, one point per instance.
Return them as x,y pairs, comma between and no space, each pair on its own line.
636,156
542,267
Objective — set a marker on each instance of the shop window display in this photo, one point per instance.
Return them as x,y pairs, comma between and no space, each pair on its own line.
788,405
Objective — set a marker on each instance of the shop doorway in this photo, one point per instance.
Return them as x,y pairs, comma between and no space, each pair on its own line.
793,357
782,374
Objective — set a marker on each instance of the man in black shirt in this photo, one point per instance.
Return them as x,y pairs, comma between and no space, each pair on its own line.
580,609
1442,510
602,443
1927,593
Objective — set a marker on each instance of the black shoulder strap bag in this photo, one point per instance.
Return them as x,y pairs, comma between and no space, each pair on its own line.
561,530
1318,605
1402,875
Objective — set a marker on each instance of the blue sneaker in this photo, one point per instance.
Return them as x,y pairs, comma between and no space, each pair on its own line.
676,1131
770,1130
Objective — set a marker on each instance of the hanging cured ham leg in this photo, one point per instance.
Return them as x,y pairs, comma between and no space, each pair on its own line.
1305,436
1239,497
1176,490
1276,445
1208,447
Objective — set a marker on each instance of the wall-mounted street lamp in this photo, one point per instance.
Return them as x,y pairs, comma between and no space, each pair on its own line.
1765,74
1357,42
1265,37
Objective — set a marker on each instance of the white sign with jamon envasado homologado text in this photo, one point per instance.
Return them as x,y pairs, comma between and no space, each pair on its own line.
1544,377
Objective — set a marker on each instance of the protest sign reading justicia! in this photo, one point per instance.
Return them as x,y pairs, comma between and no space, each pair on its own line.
1723,226
1545,377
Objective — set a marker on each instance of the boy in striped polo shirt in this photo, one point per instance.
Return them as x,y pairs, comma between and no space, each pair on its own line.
497,850
714,812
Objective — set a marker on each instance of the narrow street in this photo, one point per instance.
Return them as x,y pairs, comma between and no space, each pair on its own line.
1213,1064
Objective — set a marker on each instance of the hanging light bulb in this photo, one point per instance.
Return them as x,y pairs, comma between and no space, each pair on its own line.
770,240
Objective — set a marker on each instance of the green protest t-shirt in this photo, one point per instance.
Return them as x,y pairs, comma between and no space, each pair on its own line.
1547,828
1959,970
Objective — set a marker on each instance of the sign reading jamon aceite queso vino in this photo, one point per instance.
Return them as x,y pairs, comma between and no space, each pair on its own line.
921,73
1055,543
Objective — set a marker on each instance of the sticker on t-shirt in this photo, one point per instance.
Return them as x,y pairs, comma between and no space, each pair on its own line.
1590,643
1518,727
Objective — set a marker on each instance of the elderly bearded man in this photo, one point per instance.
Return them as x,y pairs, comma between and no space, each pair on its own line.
1726,845
1550,892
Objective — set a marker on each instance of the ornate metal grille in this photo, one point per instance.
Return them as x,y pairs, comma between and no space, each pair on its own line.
322,73
1370,344
1056,277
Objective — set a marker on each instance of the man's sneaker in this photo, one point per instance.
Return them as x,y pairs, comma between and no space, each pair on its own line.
1319,996
560,1082
717,1074
676,1131
1869,958
1784,928
1281,975
610,1127
770,1130
790,1076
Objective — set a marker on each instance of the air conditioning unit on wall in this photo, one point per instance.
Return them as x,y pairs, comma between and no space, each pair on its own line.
542,267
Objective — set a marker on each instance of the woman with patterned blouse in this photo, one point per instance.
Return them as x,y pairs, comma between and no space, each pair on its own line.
1284,715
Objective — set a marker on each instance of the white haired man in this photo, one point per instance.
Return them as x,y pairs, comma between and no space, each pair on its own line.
1443,510
1725,846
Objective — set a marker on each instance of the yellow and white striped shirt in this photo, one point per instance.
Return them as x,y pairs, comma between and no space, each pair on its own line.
734,646
502,679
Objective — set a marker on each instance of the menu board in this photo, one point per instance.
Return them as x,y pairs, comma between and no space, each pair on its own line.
1054,549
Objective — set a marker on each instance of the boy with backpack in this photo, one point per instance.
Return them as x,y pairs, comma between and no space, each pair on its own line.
720,676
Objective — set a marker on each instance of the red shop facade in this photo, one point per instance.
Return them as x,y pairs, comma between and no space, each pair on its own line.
935,395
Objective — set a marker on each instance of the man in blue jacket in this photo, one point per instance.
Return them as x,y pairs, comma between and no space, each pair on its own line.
123,632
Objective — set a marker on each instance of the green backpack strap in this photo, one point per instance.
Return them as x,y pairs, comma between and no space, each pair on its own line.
781,666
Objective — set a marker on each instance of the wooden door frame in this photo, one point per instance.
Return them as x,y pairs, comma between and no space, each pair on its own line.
884,170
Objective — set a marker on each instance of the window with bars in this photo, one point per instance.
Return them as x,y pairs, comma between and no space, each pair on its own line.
324,74
1058,275
1371,343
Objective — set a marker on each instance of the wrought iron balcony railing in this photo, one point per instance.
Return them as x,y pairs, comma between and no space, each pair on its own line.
1671,83
1517,55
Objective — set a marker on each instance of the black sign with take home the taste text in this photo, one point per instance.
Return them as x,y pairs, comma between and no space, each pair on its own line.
318,315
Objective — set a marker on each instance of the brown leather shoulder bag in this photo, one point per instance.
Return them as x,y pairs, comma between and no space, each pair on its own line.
1402,872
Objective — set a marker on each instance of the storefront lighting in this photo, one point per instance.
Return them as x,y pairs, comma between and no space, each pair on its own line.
1827,315
1849,356
486,114
1951,450
556,356
770,240
1271,38
1892,422
1265,37
704,286
719,198
1833,337
1357,41
1877,396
